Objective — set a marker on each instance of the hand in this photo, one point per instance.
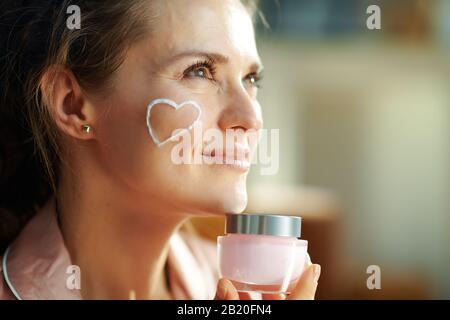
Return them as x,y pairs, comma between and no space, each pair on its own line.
304,290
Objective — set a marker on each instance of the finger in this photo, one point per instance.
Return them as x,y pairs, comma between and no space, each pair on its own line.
276,296
226,291
245,296
307,285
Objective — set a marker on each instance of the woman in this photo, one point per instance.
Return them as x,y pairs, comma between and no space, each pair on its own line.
105,200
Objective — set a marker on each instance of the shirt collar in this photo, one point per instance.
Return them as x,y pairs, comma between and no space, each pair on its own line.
37,261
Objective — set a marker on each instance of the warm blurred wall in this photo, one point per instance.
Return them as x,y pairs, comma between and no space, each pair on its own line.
369,121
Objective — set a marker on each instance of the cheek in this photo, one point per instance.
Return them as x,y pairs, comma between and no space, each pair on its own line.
128,151
122,138
166,118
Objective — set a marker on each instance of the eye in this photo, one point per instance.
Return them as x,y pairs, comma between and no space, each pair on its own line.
253,79
201,69
201,72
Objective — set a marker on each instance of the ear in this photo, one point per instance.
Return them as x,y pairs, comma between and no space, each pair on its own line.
67,103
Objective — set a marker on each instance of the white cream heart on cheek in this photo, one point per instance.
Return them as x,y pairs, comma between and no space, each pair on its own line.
172,104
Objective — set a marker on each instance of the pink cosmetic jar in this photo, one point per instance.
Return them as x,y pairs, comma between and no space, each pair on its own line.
262,252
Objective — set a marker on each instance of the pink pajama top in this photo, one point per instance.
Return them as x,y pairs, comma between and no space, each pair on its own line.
35,264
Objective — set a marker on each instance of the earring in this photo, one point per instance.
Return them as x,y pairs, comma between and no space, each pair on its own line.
86,128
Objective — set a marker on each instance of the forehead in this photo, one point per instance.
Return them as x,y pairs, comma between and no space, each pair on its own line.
210,25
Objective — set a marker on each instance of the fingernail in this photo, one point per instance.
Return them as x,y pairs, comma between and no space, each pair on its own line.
316,271
308,260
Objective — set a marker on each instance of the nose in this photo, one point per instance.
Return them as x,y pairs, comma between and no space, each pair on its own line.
241,112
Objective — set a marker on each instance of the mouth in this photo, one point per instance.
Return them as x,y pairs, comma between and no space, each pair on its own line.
237,158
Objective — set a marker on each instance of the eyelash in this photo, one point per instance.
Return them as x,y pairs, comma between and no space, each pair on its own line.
257,76
206,64
209,64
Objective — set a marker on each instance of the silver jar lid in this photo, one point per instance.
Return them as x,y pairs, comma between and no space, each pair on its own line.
264,224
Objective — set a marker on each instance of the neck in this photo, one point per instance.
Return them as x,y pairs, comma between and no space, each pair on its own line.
121,249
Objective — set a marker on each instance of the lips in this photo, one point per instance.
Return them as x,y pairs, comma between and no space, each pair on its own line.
237,157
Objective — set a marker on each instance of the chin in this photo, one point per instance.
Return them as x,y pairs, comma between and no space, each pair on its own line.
221,205
217,200
234,203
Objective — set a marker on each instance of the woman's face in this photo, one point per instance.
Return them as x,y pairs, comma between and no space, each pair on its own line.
196,50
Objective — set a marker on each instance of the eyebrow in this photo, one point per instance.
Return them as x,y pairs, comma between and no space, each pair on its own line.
217,57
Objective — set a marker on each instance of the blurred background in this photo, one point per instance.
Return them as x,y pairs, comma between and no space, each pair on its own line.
364,140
